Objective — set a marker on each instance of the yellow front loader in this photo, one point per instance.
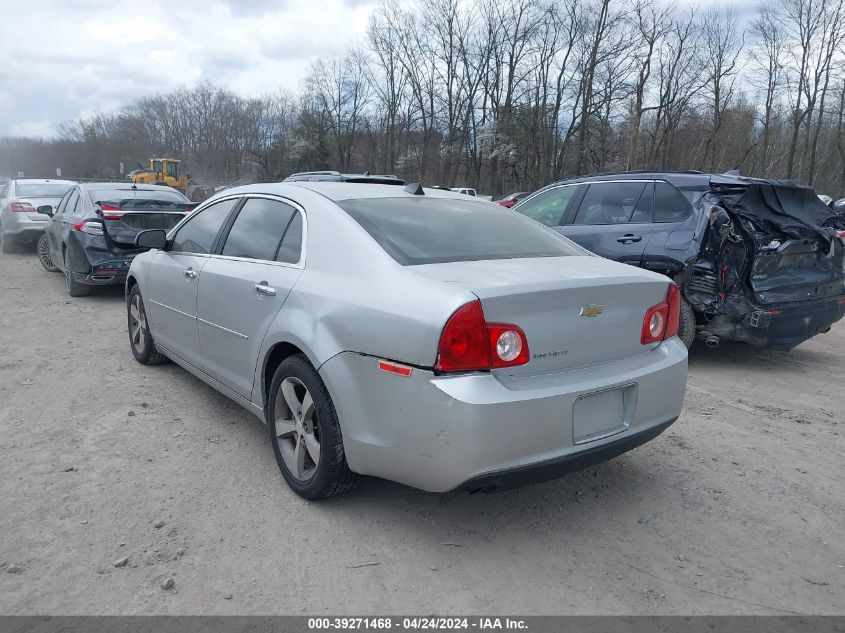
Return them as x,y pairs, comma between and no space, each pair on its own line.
168,171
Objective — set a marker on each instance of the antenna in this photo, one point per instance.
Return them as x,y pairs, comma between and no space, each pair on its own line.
414,188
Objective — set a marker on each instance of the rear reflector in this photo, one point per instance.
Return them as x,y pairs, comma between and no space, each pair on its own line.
22,207
393,368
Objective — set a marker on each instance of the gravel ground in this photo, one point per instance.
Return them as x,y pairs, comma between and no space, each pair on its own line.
131,489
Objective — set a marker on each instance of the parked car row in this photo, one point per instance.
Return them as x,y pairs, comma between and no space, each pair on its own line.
432,338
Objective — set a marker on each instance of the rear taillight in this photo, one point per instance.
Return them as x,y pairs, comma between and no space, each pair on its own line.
189,211
92,228
469,343
22,207
841,235
662,321
111,212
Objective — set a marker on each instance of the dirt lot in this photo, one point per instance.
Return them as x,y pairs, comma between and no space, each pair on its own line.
738,508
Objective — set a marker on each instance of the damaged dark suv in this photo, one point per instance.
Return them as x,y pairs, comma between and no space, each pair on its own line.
759,261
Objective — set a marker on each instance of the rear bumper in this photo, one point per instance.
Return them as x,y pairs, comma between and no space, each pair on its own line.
95,264
554,468
439,433
785,326
24,232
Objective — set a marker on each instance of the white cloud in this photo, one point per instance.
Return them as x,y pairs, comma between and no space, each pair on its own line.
58,62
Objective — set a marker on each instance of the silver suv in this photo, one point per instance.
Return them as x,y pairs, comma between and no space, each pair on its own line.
20,221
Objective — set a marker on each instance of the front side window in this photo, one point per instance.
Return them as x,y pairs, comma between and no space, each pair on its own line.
670,205
197,235
549,206
613,203
420,230
257,231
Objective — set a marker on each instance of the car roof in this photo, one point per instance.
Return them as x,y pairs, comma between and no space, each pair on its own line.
42,181
337,191
683,179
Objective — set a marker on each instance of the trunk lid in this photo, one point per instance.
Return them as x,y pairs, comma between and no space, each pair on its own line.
124,219
547,298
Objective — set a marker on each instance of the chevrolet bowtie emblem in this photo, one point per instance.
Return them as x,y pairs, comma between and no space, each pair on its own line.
591,310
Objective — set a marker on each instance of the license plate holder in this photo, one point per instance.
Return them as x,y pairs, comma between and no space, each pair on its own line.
600,414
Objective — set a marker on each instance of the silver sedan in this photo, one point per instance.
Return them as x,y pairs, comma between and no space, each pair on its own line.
413,334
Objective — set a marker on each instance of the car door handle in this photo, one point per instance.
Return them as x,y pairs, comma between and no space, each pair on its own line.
630,237
264,289
190,273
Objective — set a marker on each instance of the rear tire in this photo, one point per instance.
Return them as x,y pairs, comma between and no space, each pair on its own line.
687,330
74,288
44,255
140,338
6,244
303,424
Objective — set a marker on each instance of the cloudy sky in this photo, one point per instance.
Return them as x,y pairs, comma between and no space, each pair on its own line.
60,60
63,59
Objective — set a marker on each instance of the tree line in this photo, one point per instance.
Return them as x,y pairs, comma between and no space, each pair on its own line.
506,95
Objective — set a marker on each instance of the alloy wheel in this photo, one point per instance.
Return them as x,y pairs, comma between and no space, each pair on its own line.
297,428
137,324
44,255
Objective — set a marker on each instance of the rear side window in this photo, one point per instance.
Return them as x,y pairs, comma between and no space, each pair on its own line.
548,207
72,205
613,203
41,190
257,231
423,230
670,205
290,250
197,235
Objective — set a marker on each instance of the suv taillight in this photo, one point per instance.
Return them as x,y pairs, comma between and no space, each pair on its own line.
22,207
469,343
662,321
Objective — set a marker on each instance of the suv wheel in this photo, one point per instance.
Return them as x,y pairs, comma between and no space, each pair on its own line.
687,330
305,432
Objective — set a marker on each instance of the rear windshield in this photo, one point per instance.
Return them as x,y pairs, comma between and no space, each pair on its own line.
116,195
439,230
41,190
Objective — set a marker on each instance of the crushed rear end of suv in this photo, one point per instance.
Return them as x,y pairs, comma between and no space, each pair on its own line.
758,261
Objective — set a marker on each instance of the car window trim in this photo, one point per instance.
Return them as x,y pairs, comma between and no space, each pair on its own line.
172,234
218,254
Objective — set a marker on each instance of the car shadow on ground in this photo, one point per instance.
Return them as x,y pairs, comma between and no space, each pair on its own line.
738,354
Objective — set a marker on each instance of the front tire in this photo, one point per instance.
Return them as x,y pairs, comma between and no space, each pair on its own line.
140,339
44,255
305,432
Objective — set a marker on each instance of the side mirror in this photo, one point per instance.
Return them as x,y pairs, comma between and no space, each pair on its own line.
46,209
153,238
